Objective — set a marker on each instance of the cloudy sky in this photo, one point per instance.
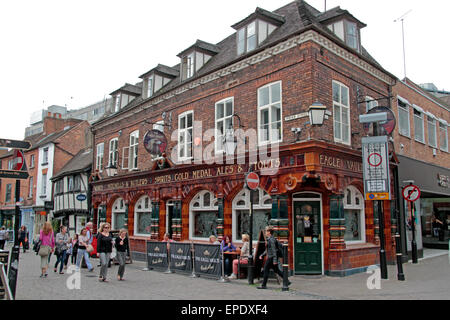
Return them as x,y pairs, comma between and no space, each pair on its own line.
74,53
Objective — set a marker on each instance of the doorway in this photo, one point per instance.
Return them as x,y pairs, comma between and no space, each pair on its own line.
308,244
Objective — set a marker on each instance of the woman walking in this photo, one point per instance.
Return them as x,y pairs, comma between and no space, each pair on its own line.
122,249
83,242
62,240
73,260
104,248
23,238
3,237
47,247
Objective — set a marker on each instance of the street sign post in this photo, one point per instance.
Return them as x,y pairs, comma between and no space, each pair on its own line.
252,183
376,168
411,193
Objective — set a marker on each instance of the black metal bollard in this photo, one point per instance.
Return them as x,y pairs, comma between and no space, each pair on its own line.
285,267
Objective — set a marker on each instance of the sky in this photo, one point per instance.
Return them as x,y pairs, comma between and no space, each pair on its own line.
75,52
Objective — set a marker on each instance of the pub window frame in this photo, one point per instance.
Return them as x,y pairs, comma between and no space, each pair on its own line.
142,210
343,108
121,209
199,199
355,207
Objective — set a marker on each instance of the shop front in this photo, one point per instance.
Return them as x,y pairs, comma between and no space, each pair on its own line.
432,209
312,197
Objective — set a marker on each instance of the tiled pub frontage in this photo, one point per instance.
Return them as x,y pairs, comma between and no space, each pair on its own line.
312,194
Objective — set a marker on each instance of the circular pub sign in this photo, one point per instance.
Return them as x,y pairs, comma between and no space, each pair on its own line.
155,142
252,181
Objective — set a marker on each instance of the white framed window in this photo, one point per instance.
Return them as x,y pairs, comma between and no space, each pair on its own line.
117,102
224,121
70,184
77,183
355,221
142,216
252,35
32,161
99,157
45,156
80,223
30,188
346,31
44,185
270,110
118,214
419,126
149,86
403,118
262,208
185,132
370,103
133,152
203,214
113,157
432,139
188,66
443,134
341,109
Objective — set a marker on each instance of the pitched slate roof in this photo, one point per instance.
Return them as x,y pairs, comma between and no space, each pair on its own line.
130,88
172,72
212,48
81,162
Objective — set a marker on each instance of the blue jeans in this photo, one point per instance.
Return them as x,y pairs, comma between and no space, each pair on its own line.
80,254
61,258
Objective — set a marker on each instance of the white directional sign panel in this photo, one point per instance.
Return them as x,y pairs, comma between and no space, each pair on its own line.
376,168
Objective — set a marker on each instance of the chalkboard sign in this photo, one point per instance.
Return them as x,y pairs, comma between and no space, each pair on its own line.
208,260
157,255
180,257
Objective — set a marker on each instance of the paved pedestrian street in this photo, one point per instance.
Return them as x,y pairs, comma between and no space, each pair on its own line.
430,280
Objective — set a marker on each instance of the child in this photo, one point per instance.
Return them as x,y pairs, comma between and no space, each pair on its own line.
122,249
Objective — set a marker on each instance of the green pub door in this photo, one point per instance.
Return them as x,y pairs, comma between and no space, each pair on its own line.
307,236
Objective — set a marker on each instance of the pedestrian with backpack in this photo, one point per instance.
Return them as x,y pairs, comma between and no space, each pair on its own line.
273,252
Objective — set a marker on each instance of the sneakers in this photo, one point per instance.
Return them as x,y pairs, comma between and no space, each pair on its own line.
232,277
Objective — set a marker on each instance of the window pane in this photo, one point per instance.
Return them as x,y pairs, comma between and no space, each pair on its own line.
205,223
229,108
219,111
352,225
345,97
189,120
251,43
119,221
260,221
339,29
403,116
345,133
336,93
206,200
275,91
432,132
183,123
144,223
263,96
443,137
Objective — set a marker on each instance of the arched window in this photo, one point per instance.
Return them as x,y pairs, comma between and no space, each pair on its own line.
142,216
203,214
118,214
355,225
262,208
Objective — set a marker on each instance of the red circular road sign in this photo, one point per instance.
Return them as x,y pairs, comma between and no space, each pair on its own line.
252,181
18,160
375,160
411,193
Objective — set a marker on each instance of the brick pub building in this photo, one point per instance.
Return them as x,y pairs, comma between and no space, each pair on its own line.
267,74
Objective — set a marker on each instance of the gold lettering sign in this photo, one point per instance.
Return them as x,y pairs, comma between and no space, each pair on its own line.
338,163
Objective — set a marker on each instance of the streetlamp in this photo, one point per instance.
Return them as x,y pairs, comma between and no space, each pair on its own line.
317,113
111,170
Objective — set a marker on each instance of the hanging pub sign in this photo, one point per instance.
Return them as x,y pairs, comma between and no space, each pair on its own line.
208,260
157,255
155,142
376,168
180,257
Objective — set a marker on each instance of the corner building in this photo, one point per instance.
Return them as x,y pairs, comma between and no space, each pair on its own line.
266,74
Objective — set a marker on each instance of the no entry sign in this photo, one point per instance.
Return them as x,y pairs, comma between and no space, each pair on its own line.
411,193
18,160
252,181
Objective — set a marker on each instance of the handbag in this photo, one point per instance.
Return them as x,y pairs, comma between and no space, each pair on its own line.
37,246
44,251
89,248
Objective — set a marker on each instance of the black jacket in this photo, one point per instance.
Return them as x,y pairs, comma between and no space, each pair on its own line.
271,249
104,244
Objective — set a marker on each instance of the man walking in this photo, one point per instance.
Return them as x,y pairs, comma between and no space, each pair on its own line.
272,257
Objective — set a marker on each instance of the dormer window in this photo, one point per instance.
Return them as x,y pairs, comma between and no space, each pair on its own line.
347,31
149,86
117,103
252,35
192,63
